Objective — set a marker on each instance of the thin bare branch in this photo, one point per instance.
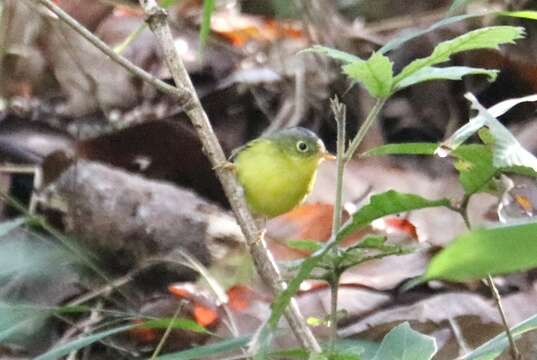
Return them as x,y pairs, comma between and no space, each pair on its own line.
156,18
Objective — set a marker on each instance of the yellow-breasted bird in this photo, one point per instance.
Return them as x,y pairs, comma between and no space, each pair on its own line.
277,171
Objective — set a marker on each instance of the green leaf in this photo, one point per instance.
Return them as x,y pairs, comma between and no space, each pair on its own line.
208,350
306,245
365,348
387,203
429,73
478,253
10,225
208,9
80,343
333,53
494,347
484,38
524,14
375,74
508,152
403,149
474,164
283,299
372,242
403,343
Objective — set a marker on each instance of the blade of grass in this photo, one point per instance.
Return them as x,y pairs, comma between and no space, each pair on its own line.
208,9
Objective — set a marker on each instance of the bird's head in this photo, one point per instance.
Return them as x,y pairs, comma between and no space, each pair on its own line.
300,143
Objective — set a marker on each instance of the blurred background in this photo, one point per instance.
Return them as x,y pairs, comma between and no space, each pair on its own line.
122,211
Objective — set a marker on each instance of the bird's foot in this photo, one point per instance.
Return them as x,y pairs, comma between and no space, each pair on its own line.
227,165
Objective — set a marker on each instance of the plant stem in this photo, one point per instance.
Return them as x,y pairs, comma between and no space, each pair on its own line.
362,132
167,332
334,288
464,211
180,93
515,354
340,114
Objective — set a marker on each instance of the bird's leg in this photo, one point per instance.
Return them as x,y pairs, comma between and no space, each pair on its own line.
227,165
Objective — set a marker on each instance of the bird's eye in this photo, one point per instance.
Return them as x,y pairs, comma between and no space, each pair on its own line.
302,146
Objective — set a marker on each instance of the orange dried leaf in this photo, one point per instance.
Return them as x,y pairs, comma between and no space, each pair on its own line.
180,292
402,225
312,221
241,29
205,316
240,297
143,335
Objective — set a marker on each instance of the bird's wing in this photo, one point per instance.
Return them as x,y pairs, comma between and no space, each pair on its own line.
236,152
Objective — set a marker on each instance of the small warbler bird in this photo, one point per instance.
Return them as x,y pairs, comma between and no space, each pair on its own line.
277,171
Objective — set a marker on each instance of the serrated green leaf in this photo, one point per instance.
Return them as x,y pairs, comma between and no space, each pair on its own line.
478,253
306,245
429,73
484,38
403,343
375,74
494,347
59,351
387,203
333,53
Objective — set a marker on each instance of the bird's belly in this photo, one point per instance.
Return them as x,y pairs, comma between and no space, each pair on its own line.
272,195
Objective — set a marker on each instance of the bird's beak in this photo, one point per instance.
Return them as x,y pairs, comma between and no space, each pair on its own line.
328,156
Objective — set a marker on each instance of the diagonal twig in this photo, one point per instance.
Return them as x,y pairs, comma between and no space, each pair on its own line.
184,92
